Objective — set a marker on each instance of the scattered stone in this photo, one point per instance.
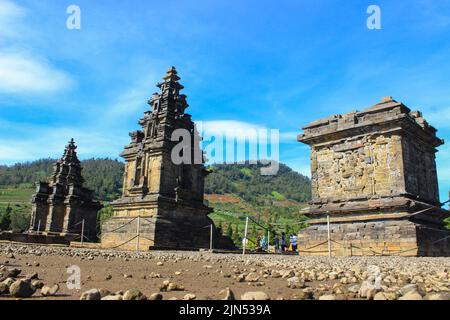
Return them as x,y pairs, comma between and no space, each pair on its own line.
4,289
252,277
257,295
385,296
175,287
409,287
104,293
438,296
108,277
32,276
92,294
189,296
155,275
411,295
354,288
37,284
8,281
228,294
134,294
113,297
21,289
328,297
275,274
12,273
295,283
368,290
156,296
48,291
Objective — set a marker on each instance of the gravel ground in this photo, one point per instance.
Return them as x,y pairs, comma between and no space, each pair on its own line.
117,275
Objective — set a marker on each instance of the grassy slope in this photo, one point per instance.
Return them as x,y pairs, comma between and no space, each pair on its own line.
18,198
230,210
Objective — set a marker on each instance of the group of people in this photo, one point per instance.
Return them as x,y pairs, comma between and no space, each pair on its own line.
282,244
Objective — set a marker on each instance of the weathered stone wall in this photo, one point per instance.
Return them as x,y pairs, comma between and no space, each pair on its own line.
392,237
352,168
158,188
174,230
420,169
373,173
119,233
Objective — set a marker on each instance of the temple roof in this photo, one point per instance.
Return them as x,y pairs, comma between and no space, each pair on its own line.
67,170
387,110
171,77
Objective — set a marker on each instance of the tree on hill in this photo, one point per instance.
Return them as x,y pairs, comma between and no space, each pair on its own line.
230,231
246,181
5,218
104,176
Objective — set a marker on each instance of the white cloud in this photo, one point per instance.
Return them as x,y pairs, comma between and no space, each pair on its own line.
10,14
23,73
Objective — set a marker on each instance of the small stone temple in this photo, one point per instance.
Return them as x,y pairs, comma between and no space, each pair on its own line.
60,205
373,173
162,205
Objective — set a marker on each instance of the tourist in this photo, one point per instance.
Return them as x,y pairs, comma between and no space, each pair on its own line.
264,242
283,242
276,242
294,242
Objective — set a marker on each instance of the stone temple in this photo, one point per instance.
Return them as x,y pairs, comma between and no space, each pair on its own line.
162,205
60,206
374,175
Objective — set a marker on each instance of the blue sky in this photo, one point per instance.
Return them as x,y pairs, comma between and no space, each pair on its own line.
274,64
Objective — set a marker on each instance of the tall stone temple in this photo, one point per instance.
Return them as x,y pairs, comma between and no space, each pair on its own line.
162,205
60,205
374,176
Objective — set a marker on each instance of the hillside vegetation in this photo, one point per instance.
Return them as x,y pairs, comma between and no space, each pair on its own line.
235,191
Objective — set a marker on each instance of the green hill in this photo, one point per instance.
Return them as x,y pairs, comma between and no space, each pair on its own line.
234,191
246,181
104,176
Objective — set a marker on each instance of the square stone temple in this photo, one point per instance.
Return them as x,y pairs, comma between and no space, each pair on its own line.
374,176
60,206
162,205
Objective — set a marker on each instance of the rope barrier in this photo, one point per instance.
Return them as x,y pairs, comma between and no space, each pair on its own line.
115,247
122,225
146,219
317,245
146,238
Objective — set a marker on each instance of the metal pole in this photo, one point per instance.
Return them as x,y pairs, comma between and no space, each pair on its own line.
82,232
268,240
137,232
245,236
211,238
329,236
39,227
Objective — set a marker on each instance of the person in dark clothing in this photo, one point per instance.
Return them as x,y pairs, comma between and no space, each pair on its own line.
283,242
276,241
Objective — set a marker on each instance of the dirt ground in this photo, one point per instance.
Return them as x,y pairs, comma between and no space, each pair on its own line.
207,274
204,279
